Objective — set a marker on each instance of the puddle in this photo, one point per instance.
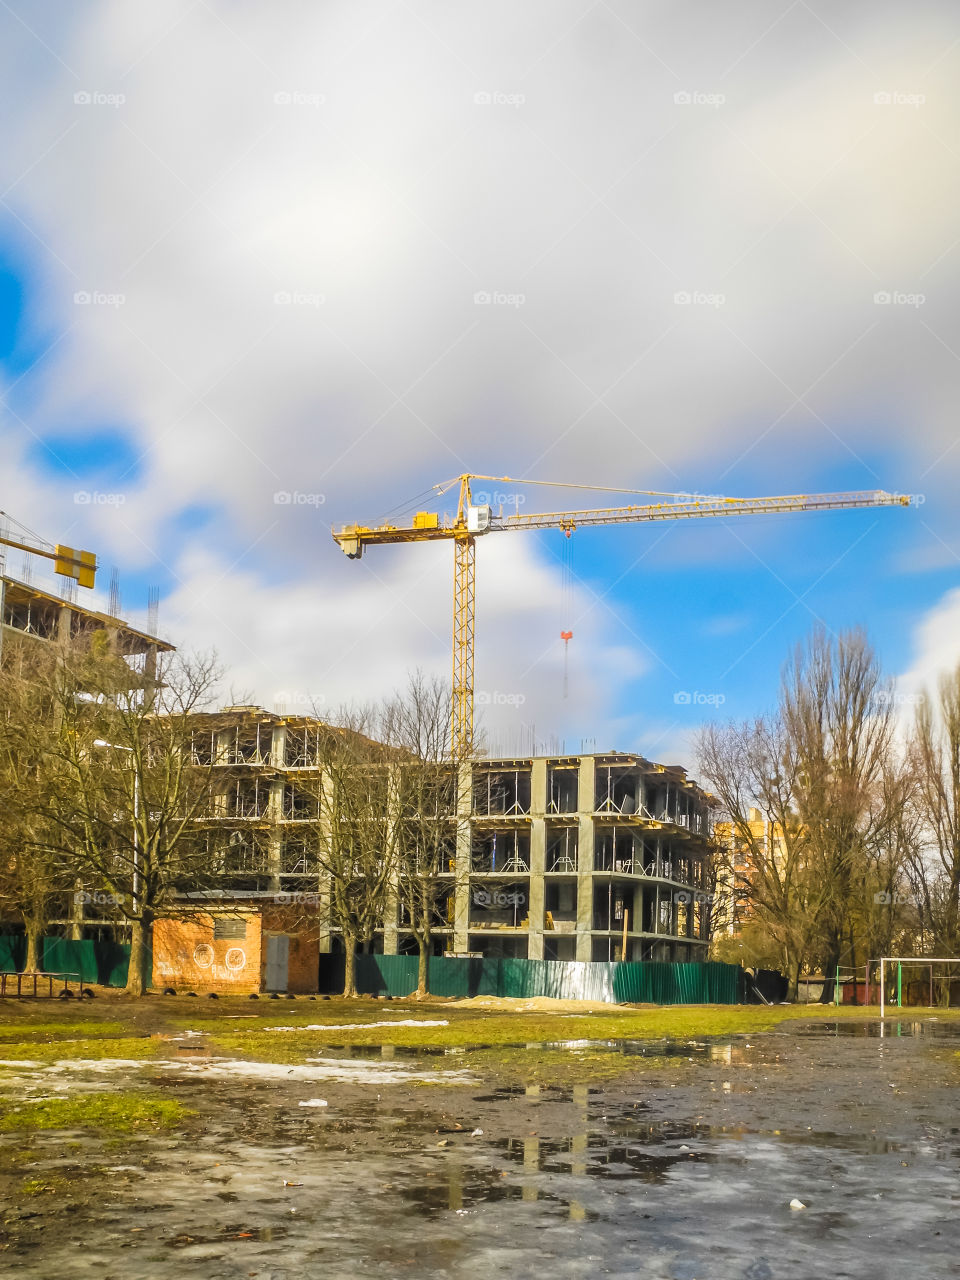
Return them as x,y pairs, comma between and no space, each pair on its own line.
928,1028
623,1179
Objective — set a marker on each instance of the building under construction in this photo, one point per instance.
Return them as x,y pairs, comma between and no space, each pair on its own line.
589,857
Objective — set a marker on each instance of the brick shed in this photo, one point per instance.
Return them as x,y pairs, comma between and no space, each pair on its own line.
236,950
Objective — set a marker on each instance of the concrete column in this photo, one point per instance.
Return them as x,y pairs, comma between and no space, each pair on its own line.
275,806
461,919
585,850
538,856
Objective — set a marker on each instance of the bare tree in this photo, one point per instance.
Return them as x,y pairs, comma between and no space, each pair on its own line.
753,771
936,753
129,793
35,880
417,724
353,840
838,719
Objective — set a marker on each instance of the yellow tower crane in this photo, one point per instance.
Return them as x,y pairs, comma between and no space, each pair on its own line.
79,565
471,521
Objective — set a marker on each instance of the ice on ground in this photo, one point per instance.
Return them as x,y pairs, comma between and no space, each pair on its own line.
362,1026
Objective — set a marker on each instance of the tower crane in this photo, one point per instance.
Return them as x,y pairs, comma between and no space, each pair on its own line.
472,521
79,565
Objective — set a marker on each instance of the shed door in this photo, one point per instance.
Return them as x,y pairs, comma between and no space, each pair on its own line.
278,952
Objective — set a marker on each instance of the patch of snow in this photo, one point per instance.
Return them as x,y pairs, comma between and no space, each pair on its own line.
363,1026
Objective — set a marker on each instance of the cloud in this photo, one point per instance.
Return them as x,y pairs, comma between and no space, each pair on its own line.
282,231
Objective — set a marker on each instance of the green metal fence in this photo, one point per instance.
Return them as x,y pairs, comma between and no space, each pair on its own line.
13,953
101,962
643,982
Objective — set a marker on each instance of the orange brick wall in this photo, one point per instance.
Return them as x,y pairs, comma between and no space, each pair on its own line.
186,956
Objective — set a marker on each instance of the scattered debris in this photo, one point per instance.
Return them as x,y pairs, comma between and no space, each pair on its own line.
313,1102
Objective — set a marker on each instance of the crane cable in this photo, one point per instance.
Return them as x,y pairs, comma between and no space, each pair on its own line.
566,597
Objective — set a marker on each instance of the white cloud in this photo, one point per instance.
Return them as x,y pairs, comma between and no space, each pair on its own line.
381,197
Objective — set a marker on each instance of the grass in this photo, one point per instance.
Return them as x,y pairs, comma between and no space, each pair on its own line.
23,1029
42,1186
119,1112
471,1027
54,1051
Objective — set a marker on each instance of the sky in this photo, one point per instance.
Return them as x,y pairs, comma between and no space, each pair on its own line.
267,270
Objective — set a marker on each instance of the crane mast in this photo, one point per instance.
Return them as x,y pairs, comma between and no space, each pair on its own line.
472,521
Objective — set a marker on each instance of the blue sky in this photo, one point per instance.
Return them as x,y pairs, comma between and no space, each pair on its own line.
347,258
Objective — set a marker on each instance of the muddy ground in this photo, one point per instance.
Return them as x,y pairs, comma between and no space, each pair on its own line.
682,1164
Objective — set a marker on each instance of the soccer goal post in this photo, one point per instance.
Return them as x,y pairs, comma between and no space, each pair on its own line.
925,964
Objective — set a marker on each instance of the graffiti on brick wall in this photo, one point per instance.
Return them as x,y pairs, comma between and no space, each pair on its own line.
203,957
